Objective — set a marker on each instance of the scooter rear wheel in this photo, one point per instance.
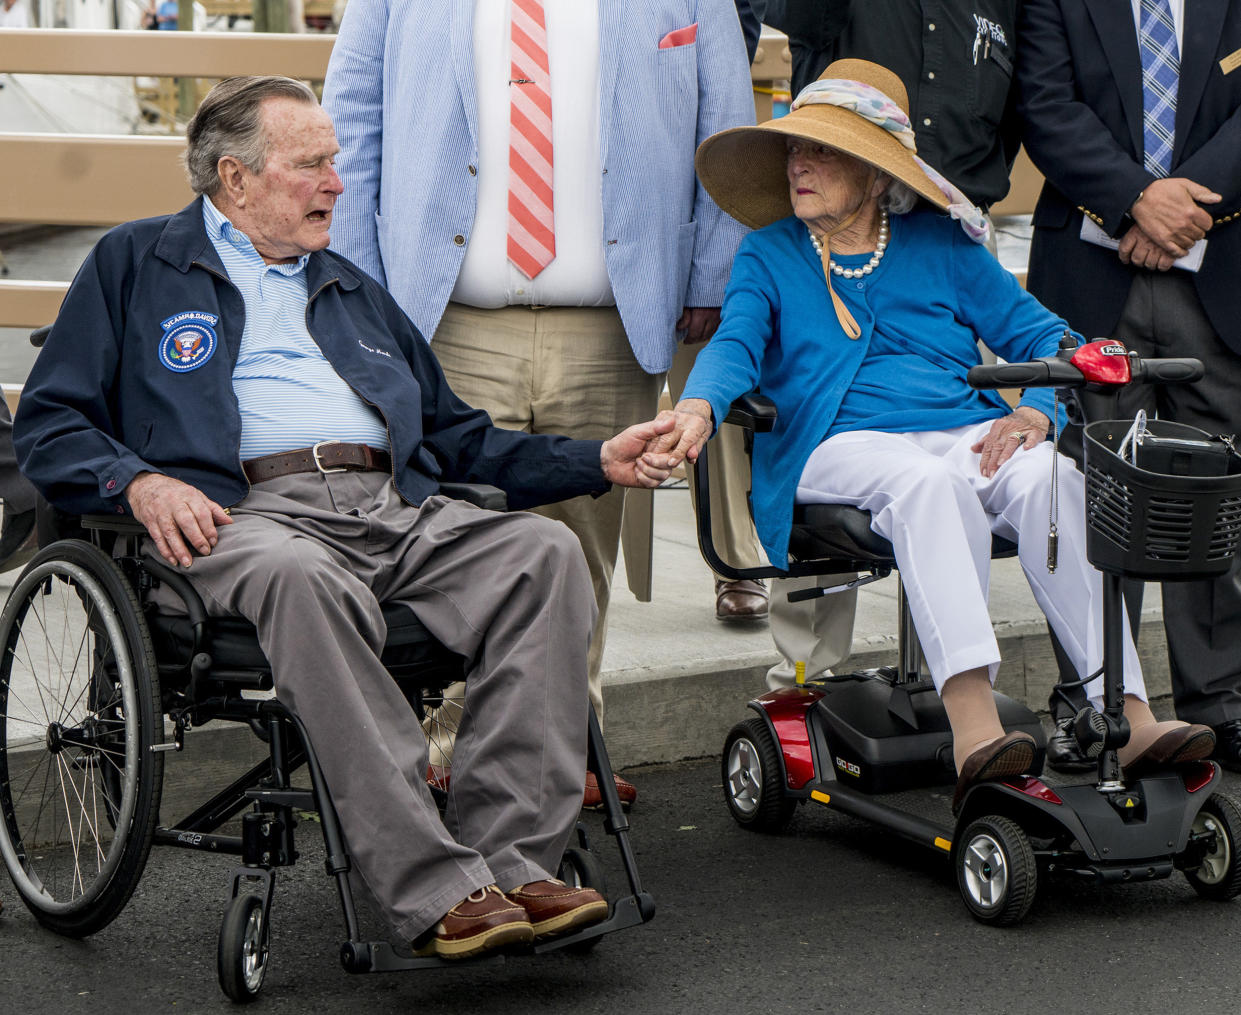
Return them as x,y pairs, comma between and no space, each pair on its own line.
996,871
1219,875
753,783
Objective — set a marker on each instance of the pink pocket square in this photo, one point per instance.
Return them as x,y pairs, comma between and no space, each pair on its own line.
681,37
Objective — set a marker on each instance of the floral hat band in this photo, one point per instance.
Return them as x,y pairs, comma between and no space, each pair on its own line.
875,107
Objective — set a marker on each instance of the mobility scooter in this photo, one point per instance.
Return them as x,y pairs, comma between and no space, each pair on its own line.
859,742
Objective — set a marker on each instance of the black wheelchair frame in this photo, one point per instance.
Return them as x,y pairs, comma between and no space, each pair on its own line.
104,688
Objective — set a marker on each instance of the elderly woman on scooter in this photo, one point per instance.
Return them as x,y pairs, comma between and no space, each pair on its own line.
859,315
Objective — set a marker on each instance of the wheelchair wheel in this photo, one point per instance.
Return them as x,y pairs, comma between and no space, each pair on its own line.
1218,876
996,871
441,718
753,785
241,951
79,715
580,868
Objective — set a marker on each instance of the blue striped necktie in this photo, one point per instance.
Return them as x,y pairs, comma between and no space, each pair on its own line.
1161,66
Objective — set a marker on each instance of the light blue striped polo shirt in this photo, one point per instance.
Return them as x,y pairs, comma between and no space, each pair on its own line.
289,394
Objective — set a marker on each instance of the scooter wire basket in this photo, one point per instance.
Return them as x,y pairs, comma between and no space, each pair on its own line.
1163,500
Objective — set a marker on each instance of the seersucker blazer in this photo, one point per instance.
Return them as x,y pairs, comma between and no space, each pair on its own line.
400,91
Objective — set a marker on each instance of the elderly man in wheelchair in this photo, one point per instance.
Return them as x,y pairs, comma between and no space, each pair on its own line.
281,431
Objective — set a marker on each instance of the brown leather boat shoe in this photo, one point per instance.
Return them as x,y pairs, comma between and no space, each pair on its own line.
1010,754
553,907
592,799
481,922
1188,743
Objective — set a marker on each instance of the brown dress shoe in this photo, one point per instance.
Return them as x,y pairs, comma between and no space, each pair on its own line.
483,921
592,799
1187,743
742,600
553,907
1010,754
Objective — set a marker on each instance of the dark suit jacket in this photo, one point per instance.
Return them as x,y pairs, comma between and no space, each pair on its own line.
1080,80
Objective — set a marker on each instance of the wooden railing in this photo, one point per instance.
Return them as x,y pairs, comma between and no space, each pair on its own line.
83,180
105,180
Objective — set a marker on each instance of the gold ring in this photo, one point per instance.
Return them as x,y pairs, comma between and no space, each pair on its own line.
1018,434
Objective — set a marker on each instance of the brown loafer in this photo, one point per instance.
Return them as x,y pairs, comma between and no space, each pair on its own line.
553,907
1188,743
1010,754
743,600
592,799
481,922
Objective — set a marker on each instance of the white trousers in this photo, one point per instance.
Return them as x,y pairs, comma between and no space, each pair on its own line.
927,496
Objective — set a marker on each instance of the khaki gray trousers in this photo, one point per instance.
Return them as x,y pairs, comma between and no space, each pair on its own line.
308,560
556,370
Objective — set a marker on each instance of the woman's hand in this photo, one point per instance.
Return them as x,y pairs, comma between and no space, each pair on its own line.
1026,428
691,426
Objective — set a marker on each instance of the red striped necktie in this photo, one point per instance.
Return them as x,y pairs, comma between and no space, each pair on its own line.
531,227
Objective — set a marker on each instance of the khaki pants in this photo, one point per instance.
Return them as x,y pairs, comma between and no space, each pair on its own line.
732,530
563,370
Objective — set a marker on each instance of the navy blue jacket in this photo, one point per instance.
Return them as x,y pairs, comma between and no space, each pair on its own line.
111,396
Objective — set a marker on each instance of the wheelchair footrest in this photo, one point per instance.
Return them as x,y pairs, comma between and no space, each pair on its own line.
630,911
381,957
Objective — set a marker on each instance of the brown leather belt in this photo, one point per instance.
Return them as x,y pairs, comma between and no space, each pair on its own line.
326,456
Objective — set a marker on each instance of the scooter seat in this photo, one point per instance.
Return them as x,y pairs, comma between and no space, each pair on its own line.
842,530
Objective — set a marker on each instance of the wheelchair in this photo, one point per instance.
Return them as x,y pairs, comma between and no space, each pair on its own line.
97,689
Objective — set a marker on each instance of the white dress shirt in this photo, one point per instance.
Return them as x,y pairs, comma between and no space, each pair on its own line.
577,275
1178,19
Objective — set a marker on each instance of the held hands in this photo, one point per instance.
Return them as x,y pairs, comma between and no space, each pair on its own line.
1170,214
1024,428
175,513
645,455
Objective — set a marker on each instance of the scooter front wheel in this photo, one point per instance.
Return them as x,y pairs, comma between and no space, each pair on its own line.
1218,875
996,870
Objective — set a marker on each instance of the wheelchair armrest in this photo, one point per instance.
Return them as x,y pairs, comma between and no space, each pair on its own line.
479,494
123,525
757,414
753,411
39,336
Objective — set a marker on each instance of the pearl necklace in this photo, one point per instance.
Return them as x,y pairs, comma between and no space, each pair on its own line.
881,246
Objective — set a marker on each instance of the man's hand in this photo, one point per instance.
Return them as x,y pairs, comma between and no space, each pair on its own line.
1025,428
175,513
698,323
1139,250
1170,213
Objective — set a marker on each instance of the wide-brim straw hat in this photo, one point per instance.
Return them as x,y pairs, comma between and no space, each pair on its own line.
743,168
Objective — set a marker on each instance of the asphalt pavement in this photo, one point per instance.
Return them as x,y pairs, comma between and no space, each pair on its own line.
831,916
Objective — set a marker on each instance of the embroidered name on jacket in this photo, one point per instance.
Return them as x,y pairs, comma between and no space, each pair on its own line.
189,340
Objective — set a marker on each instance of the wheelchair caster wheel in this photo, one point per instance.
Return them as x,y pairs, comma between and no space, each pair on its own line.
241,954
580,868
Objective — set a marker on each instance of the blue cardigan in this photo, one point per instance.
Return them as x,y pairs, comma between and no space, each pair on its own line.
935,292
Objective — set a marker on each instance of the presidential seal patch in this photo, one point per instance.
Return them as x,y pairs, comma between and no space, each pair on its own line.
189,340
